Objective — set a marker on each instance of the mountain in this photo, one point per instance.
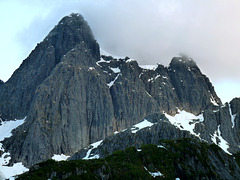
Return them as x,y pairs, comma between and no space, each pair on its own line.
73,96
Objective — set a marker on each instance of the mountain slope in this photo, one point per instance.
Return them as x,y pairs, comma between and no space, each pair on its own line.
170,159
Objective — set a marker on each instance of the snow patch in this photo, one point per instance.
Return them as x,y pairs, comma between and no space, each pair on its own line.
223,144
92,146
101,61
116,70
185,121
129,60
7,126
154,174
149,67
103,52
213,101
60,157
6,172
161,146
145,123
116,132
151,79
91,68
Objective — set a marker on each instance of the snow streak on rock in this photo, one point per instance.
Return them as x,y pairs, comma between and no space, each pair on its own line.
154,174
92,146
232,116
218,140
112,82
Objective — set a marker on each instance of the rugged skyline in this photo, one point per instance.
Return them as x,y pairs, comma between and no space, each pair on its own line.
151,32
69,99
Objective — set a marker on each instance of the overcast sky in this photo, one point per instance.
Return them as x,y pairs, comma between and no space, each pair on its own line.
150,31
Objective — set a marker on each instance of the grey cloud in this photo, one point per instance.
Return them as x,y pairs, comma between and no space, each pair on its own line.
154,31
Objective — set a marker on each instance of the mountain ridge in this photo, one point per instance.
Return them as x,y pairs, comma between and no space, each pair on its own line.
73,96
171,159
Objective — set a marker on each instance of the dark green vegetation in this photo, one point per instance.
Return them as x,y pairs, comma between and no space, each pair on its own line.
184,158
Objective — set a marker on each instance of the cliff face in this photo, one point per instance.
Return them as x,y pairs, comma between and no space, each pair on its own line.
17,93
212,126
72,96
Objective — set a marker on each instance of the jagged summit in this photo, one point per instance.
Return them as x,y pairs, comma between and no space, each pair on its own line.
75,29
190,83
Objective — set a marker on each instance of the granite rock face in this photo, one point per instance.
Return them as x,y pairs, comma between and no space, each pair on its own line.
218,126
194,90
73,97
17,93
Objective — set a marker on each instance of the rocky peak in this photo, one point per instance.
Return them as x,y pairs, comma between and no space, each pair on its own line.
17,93
75,29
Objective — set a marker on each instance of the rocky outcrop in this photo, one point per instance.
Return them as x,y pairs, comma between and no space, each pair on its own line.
73,97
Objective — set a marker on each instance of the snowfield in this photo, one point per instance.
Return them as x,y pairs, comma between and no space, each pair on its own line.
7,172
185,121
